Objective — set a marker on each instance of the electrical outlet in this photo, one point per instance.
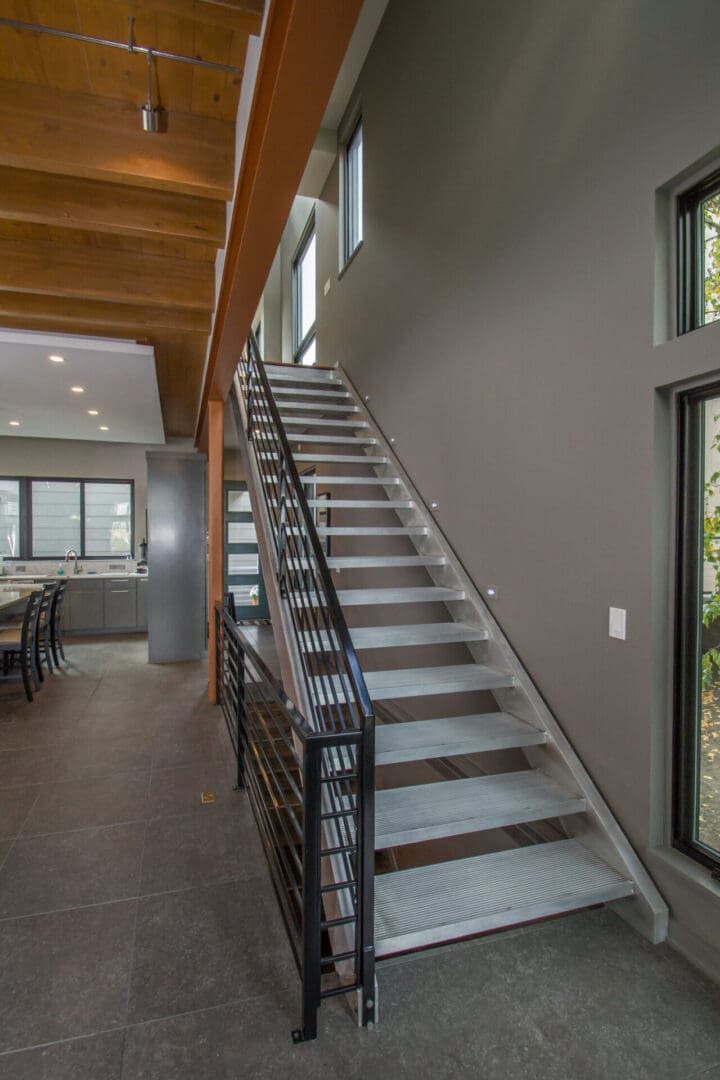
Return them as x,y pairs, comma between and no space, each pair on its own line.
617,623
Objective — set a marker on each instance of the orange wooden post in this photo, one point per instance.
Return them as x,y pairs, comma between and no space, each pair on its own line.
216,423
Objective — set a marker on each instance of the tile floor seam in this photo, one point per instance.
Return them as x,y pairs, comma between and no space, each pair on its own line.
80,829
124,1028
130,899
696,1075
11,844
133,939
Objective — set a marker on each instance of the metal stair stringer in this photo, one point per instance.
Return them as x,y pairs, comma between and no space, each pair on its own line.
597,830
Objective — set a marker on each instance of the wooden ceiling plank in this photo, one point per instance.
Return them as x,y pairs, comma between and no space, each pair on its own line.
22,59
242,18
81,135
64,60
69,315
174,79
114,73
124,277
179,362
109,208
209,87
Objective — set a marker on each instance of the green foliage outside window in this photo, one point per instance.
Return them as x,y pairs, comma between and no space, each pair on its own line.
711,251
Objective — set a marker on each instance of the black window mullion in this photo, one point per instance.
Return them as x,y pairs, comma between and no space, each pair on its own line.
25,519
82,519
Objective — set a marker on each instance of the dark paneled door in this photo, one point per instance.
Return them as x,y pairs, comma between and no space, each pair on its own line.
243,576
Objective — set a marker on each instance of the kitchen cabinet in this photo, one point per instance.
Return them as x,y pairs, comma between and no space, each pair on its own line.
84,607
141,610
120,604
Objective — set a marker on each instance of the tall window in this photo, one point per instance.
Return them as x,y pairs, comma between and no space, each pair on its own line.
699,255
697,762
42,519
304,288
353,193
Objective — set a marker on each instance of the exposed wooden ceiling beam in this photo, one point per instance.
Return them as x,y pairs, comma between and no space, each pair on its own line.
179,360
109,208
104,274
304,45
99,138
67,315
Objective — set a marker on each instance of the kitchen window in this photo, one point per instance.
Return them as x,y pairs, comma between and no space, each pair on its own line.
304,300
696,825
44,518
699,255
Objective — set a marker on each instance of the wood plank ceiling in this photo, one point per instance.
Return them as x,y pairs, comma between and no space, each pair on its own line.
106,229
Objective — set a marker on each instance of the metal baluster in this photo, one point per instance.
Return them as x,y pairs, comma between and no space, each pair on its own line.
312,909
241,718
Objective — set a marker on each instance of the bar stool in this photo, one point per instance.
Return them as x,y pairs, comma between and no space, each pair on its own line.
56,622
20,643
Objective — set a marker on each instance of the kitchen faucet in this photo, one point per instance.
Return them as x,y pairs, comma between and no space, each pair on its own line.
68,553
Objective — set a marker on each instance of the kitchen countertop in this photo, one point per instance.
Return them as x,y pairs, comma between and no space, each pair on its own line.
22,579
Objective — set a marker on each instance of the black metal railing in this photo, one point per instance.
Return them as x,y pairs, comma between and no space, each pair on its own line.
287,767
336,699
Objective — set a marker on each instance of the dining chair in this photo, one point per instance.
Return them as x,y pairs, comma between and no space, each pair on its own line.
19,643
42,636
56,643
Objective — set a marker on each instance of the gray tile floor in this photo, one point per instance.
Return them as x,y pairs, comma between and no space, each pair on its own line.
139,936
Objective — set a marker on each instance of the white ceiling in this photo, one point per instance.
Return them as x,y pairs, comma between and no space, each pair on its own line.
118,379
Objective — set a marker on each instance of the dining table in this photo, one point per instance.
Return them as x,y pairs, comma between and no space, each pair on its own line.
13,598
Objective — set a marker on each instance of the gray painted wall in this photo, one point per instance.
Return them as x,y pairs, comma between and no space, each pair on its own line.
501,316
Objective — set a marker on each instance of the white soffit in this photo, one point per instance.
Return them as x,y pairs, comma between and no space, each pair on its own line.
117,377
324,149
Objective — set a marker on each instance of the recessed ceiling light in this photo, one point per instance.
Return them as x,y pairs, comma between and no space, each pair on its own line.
14,423
92,412
56,359
103,428
78,389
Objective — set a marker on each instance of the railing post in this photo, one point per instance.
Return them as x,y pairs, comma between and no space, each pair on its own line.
282,524
219,657
240,717
312,896
366,870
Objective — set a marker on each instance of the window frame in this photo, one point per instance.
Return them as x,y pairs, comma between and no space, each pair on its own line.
349,195
302,343
26,523
688,613
690,299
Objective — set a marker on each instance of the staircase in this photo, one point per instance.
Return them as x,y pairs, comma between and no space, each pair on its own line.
462,857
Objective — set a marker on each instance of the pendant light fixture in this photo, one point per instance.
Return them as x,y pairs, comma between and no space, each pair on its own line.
150,111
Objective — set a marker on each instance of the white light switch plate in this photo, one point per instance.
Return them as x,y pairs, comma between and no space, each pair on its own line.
618,622
326,288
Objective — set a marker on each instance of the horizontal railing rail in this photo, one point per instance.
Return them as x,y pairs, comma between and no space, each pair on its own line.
333,685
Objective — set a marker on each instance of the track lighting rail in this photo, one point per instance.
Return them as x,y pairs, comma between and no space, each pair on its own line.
128,46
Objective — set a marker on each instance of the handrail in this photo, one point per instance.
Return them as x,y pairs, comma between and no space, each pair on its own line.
307,587
333,604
